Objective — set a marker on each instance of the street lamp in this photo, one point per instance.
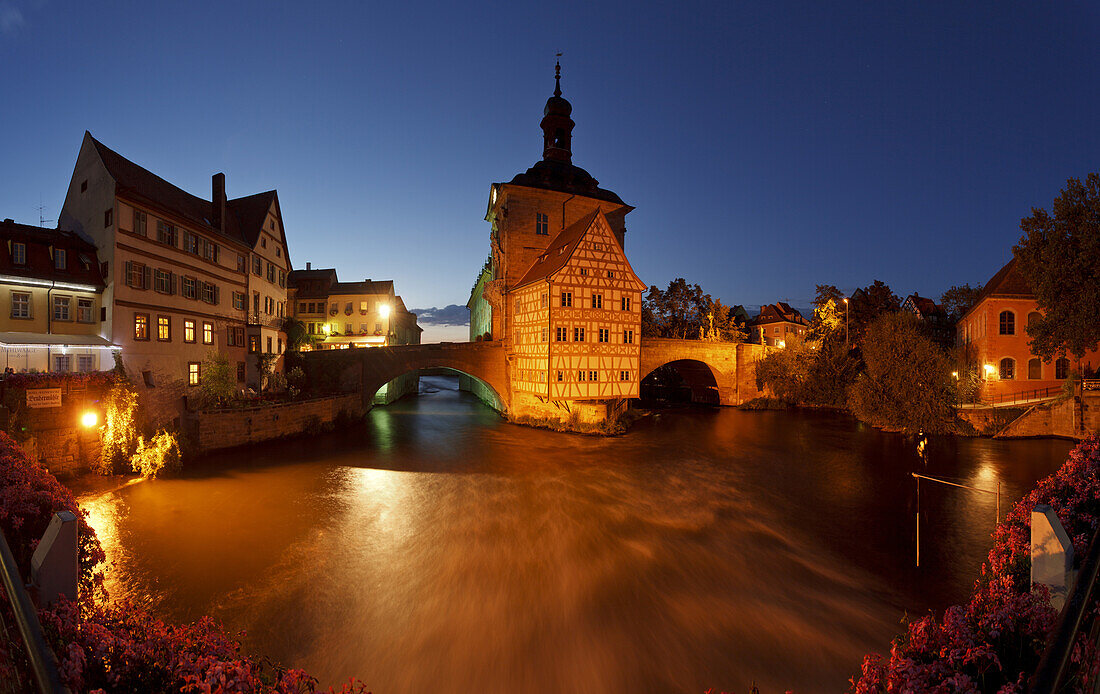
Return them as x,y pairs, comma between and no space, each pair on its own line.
845,321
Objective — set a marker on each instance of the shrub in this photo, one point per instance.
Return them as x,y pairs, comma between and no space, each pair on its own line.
161,453
119,428
219,380
994,641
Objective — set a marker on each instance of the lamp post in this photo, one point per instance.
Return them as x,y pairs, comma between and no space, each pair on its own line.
845,321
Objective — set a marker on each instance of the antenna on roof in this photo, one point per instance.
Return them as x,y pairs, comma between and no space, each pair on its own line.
41,211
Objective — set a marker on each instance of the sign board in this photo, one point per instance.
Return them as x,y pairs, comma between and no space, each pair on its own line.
44,397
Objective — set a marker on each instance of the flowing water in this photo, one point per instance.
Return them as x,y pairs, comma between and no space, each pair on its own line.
443,550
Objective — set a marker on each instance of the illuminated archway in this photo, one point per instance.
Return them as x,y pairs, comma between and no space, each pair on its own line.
468,382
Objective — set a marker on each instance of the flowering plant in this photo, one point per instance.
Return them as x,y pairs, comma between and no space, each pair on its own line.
993,642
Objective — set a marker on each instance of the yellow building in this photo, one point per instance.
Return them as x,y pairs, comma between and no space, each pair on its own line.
339,315
577,318
51,290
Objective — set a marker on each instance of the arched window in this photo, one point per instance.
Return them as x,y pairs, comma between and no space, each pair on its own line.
1061,368
1034,369
1008,368
1008,323
1032,317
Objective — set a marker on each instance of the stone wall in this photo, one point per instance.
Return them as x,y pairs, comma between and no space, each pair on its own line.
217,429
55,436
987,421
1072,418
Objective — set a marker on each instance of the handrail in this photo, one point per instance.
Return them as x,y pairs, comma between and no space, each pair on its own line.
43,662
1035,394
1052,666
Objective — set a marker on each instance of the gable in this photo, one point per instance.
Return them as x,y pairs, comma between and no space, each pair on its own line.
592,238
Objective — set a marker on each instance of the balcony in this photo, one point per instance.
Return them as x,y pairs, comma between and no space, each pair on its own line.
265,320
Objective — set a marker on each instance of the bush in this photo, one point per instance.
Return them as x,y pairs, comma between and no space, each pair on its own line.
906,383
809,373
161,453
119,429
994,641
219,380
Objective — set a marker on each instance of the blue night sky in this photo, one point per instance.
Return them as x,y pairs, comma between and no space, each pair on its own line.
767,147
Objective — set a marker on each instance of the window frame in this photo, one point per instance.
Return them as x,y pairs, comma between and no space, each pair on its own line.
18,253
165,322
189,329
1006,322
194,373
207,333
140,335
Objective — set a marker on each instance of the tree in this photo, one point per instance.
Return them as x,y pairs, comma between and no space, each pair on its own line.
679,311
906,383
297,335
827,293
958,299
1059,256
219,382
827,323
867,304
721,324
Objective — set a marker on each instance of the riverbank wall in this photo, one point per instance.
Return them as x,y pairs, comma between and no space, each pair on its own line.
212,430
45,417
1070,418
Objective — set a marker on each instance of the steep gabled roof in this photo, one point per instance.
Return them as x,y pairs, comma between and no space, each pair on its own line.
251,211
145,186
779,312
82,264
559,251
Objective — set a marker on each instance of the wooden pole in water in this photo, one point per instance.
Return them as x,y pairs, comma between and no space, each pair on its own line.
918,521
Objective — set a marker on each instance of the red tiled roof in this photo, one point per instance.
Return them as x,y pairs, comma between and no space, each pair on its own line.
1008,282
82,264
779,312
559,251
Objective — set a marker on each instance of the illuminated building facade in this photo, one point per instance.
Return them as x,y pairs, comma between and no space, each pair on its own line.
180,272
557,288
777,324
993,337
51,294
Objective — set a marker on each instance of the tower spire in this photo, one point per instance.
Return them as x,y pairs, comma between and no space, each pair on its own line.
557,126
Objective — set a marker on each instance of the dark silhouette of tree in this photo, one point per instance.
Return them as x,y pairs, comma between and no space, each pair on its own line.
825,292
867,304
1059,255
958,300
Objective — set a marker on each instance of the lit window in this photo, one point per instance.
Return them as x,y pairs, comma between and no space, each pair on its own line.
194,373
164,328
207,333
141,326
189,330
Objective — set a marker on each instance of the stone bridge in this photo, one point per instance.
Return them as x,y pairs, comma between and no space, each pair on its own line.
724,369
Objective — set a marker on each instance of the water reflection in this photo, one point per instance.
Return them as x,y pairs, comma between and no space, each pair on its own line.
443,550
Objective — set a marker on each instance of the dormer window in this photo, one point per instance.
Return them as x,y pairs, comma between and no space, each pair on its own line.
19,253
59,258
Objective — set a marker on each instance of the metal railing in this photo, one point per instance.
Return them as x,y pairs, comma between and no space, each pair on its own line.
1091,384
1053,669
1037,394
42,660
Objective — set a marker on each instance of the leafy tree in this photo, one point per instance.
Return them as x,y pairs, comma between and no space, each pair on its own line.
679,311
1059,255
785,372
219,380
958,299
827,293
721,324
827,323
265,362
867,304
297,334
906,382
807,374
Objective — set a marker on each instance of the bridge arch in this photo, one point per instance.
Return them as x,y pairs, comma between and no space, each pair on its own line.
368,369
697,376
482,389
732,365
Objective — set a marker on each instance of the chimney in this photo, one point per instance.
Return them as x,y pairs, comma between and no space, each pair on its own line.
217,200
309,265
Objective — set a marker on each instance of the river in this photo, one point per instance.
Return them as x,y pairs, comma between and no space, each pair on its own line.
440,549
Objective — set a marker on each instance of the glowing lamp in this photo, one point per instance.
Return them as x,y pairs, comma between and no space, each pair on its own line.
327,329
955,374
989,369
384,310
89,419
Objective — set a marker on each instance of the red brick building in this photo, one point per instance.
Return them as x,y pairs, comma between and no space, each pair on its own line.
994,336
